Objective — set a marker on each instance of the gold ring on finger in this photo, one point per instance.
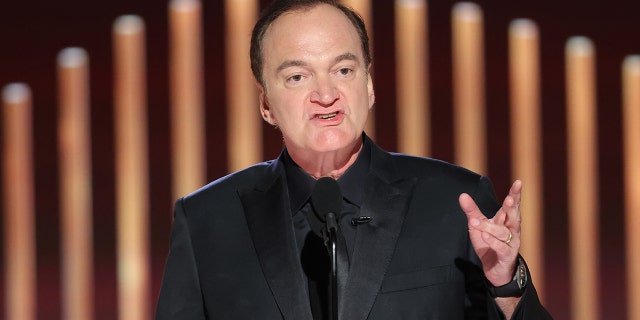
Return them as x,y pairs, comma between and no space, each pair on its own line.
508,238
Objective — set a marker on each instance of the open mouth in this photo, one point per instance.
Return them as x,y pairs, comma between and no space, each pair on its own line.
327,116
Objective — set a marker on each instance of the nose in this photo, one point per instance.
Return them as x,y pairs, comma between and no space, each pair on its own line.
324,92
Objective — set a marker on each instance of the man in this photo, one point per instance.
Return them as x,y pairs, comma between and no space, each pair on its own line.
423,239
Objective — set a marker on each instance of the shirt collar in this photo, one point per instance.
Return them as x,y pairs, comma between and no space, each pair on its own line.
300,184
353,180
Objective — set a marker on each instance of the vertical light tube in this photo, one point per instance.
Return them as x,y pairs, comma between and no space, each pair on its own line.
468,87
74,140
187,96
132,193
19,199
583,180
244,129
631,135
412,82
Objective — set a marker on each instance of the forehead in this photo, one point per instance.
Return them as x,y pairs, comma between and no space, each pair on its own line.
311,31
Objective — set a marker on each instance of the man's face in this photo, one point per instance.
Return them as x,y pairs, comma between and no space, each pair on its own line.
317,89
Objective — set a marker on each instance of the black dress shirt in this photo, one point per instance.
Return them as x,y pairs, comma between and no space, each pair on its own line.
313,254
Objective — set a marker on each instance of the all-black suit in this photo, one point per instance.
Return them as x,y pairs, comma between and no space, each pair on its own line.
233,252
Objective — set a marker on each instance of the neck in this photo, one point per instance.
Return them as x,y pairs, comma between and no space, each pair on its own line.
327,164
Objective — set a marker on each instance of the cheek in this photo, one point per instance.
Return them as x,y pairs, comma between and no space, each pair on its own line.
288,106
283,116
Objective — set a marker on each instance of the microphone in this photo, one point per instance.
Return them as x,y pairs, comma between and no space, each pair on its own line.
360,220
326,201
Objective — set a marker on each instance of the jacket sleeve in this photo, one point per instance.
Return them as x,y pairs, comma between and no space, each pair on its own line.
529,306
180,294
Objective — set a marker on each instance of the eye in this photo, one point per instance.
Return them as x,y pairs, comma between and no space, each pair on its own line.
345,71
295,78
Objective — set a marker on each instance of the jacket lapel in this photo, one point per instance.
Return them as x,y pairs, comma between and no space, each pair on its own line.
270,224
385,202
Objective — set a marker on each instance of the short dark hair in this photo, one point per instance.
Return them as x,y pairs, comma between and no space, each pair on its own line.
279,7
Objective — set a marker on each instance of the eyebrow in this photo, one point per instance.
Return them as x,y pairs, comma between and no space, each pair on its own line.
291,63
346,56
300,63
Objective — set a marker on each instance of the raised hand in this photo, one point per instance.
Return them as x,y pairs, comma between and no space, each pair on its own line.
497,240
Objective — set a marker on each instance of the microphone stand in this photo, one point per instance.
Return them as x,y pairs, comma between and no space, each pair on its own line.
332,230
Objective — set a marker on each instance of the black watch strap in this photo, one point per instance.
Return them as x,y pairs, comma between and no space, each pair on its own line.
516,287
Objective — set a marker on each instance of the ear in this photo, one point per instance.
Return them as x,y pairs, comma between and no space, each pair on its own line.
265,109
372,94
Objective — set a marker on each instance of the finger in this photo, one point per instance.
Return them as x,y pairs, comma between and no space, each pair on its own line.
469,206
478,221
500,217
511,206
471,210
500,246
498,231
516,190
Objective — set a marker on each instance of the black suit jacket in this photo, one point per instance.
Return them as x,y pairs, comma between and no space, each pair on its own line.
233,251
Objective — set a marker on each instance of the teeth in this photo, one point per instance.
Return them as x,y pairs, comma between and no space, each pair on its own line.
327,116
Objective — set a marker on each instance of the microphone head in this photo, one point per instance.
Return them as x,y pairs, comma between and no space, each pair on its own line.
326,197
